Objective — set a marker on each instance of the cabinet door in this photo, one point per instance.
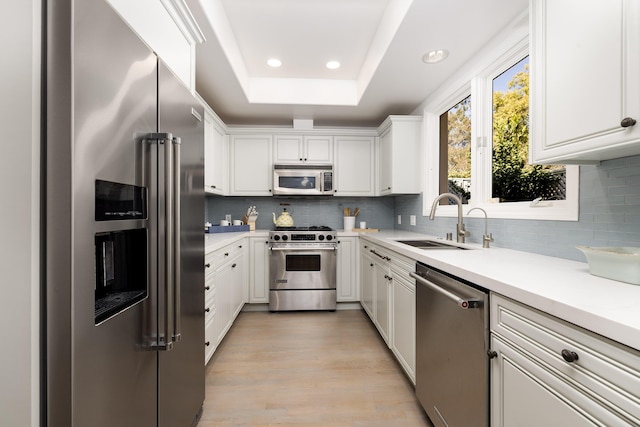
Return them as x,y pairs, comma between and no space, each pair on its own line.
318,149
347,270
584,80
381,299
287,149
251,171
524,393
222,314
258,270
354,167
404,325
236,285
216,156
367,284
386,159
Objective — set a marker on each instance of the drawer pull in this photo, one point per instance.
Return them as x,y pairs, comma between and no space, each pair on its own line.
627,122
569,356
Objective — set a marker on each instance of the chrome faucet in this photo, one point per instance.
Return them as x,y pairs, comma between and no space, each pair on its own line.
486,238
461,233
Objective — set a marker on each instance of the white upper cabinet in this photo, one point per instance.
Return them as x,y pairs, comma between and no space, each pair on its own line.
585,80
312,149
168,28
216,154
399,164
250,167
354,165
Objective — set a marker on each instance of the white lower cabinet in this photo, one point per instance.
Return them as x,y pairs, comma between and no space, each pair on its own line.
347,267
258,270
549,372
367,280
403,313
388,296
225,295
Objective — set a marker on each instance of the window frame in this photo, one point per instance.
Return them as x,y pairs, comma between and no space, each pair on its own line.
478,83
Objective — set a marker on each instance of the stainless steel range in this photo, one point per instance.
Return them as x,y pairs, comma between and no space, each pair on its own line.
302,268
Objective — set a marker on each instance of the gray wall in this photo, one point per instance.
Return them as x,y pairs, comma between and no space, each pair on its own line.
609,216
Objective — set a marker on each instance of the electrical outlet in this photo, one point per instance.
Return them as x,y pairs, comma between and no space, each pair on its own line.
412,220
399,219
228,217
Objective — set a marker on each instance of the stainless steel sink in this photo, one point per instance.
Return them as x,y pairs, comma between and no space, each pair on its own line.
429,244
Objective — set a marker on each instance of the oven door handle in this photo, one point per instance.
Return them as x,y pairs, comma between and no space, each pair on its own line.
463,303
332,248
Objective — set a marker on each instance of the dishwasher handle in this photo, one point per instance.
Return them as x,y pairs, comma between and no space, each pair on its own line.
463,303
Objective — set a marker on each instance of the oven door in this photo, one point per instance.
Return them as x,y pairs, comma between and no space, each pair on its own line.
299,269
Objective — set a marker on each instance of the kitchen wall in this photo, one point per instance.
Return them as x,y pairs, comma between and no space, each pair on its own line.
609,216
376,211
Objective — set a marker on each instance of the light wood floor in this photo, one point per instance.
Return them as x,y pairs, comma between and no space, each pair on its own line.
307,369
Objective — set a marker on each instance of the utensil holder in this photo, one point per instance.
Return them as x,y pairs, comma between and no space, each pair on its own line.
349,223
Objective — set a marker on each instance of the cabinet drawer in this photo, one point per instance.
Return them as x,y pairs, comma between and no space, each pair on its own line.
606,371
401,266
210,338
218,257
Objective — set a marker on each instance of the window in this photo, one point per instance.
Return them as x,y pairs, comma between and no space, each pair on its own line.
455,150
513,178
481,153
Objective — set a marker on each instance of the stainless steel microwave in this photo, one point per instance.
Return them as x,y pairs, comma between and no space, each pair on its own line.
302,180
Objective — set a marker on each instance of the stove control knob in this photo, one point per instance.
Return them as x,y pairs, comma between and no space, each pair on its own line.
329,237
285,237
276,238
321,237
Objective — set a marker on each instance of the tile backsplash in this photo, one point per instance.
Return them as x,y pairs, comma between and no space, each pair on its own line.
609,214
376,211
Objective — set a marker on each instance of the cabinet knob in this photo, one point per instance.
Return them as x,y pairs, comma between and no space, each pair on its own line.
207,343
569,356
226,254
300,158
492,354
208,265
213,186
233,265
206,288
335,191
627,122
371,265
206,310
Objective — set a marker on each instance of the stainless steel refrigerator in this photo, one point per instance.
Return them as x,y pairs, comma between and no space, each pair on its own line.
123,219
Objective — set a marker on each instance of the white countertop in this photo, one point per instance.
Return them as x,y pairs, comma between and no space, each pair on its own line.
557,286
214,241
560,287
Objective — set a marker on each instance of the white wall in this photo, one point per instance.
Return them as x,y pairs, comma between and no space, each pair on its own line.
19,211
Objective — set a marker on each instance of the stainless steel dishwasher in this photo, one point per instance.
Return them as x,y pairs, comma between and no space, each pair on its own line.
452,349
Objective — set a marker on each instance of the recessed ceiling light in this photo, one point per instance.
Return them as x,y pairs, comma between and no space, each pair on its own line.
435,56
274,63
332,65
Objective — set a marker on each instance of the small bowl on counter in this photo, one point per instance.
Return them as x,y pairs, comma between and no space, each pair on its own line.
619,263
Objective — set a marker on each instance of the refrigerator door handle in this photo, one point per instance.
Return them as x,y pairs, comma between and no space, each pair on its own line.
164,220
176,239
